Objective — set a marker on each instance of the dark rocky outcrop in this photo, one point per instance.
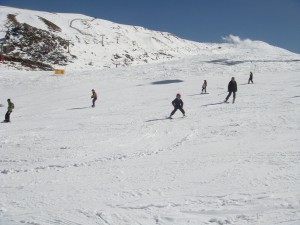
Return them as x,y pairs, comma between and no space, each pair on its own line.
35,48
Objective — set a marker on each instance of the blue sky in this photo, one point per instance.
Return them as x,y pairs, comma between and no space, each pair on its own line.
276,22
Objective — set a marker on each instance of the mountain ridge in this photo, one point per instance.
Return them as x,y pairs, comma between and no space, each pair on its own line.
90,42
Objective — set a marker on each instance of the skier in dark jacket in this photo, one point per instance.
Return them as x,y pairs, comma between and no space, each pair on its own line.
232,88
178,104
10,108
250,78
94,97
204,86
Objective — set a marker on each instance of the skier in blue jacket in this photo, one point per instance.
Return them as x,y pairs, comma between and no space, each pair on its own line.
178,104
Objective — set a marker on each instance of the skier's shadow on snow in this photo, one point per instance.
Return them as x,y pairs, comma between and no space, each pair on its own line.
198,94
80,108
218,103
156,120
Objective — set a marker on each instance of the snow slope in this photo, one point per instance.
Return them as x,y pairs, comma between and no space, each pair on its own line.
123,163
100,44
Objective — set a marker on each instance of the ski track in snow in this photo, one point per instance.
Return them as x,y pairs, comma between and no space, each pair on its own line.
122,162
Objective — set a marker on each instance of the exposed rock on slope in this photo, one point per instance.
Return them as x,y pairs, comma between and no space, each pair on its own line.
34,48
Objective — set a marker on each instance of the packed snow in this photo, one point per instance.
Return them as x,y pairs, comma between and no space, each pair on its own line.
125,163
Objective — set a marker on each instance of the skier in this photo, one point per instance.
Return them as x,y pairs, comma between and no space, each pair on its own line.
10,108
178,104
204,87
94,97
232,88
250,78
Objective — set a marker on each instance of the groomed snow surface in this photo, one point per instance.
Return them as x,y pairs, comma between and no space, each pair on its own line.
123,163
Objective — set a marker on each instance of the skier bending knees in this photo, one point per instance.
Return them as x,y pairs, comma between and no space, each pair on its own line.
178,104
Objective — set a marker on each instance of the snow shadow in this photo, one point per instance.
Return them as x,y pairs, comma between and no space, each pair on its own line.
80,108
225,62
194,94
199,94
166,82
244,84
218,103
166,118
232,62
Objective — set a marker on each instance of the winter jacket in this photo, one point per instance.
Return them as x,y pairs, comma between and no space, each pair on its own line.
177,103
94,96
232,86
204,85
10,107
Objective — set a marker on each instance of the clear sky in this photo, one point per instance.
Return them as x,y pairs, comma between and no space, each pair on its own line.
276,22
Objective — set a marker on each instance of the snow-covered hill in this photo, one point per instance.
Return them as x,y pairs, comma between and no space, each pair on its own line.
74,41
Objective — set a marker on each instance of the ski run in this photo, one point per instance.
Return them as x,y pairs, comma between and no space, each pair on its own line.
123,163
